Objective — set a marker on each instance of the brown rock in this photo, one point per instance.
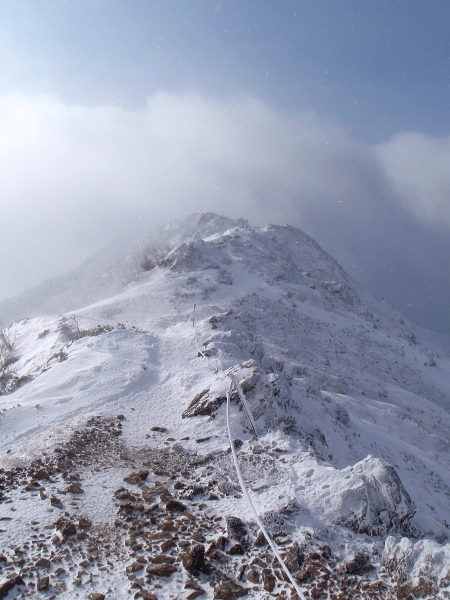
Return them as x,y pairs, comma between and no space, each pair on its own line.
236,550
357,565
9,584
229,591
134,567
168,526
268,580
162,570
159,535
196,594
253,576
33,485
306,575
212,549
145,595
175,506
325,550
258,562
192,584
194,559
160,559
167,544
188,515
294,558
66,527
84,523
221,542
43,583
260,540
200,405
55,501
240,575
96,596
75,488
43,562
123,494
165,496
41,473
137,478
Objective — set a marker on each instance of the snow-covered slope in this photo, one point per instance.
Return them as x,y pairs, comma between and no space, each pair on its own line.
109,270
351,403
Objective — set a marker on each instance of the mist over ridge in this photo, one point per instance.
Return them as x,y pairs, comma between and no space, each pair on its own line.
94,173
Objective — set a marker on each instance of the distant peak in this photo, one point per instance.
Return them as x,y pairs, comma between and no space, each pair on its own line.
197,226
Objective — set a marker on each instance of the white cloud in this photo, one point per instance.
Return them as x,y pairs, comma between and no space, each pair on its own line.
419,167
74,176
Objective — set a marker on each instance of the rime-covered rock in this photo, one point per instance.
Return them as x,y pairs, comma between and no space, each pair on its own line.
373,499
237,530
203,404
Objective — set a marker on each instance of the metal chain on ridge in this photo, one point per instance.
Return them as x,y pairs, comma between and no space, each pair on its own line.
252,506
235,383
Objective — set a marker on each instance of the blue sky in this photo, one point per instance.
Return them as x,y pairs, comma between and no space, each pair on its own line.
376,66
331,115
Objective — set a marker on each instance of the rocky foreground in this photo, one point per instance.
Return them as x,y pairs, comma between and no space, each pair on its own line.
165,526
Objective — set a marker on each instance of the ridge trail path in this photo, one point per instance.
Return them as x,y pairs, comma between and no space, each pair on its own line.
181,374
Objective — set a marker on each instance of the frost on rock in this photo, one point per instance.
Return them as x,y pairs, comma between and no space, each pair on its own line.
420,568
341,290
374,500
274,521
196,256
203,403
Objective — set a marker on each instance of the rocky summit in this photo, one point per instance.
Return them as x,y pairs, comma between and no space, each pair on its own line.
117,478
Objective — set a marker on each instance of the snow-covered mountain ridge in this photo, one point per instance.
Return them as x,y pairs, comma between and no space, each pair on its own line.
351,404
109,270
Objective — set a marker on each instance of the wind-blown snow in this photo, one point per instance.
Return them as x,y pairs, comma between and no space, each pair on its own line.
355,399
